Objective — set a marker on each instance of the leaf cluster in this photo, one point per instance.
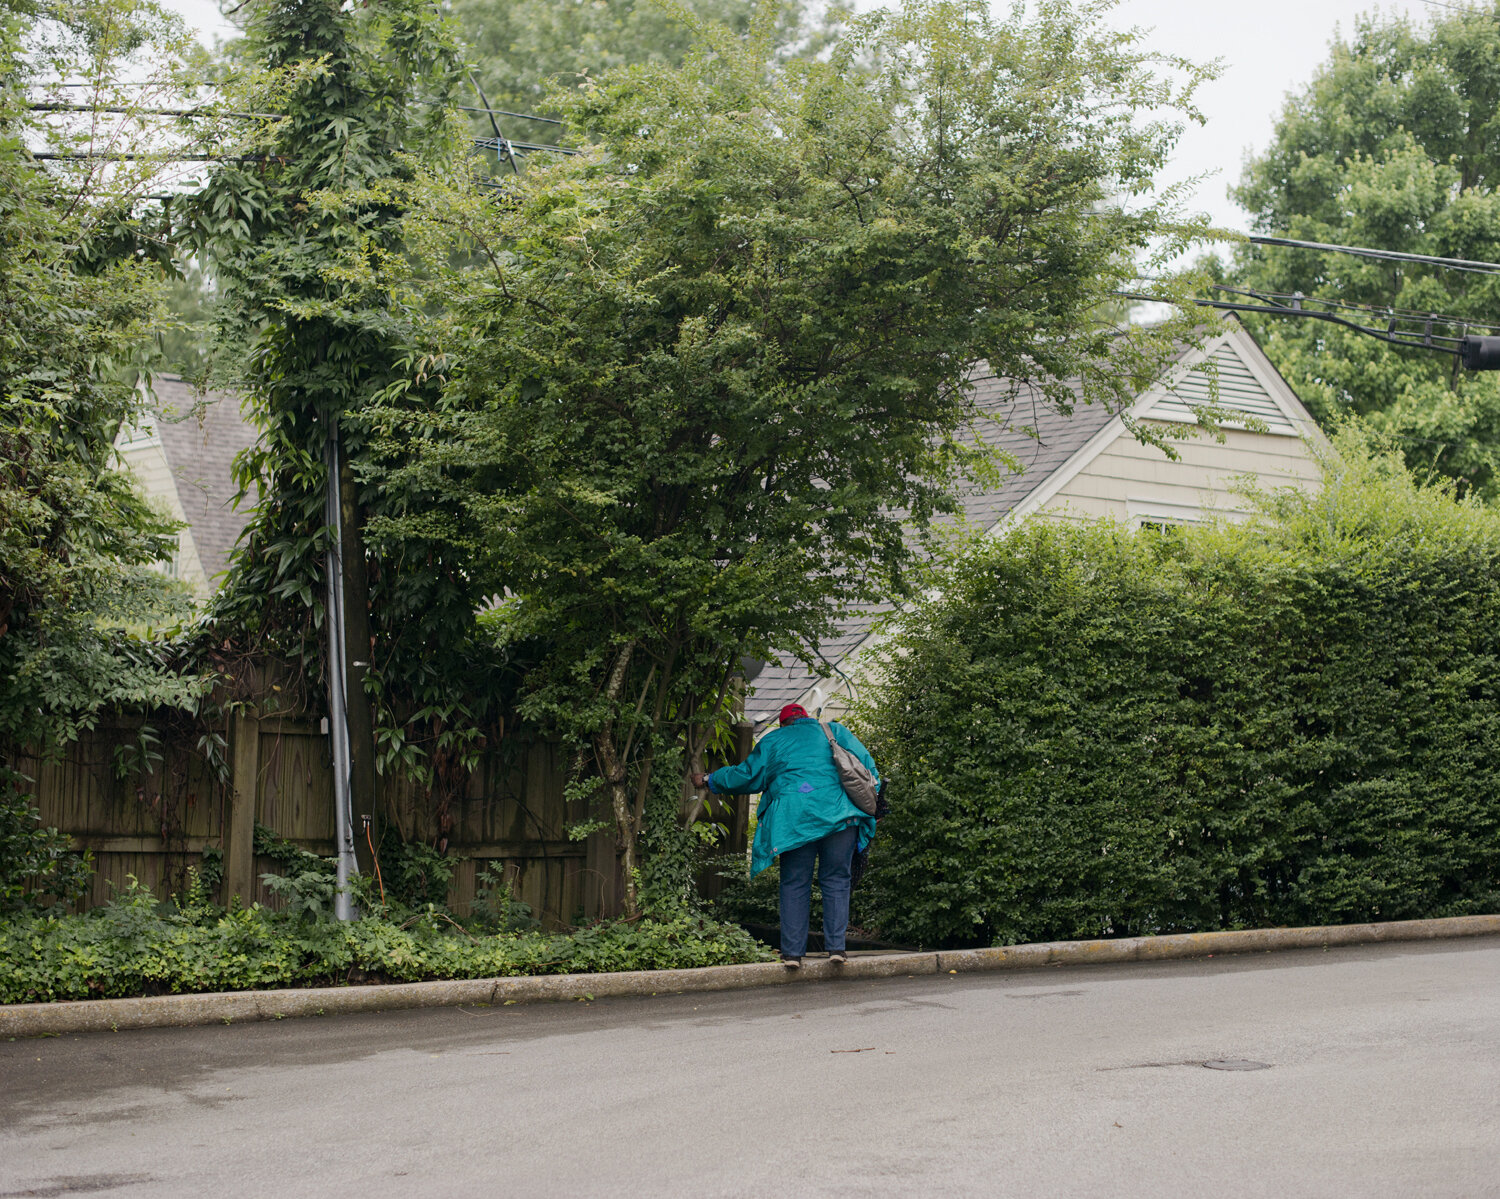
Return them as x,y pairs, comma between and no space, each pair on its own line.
1393,145
39,871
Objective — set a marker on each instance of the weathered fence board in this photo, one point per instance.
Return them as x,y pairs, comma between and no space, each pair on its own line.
155,825
277,772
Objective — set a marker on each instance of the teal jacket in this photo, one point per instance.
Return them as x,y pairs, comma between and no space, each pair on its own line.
800,796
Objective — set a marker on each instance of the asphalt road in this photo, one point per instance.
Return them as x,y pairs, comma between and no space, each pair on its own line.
1382,1078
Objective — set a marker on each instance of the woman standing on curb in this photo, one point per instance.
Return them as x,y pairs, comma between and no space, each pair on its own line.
805,817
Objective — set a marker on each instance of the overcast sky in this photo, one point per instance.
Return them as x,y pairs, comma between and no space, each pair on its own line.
1268,47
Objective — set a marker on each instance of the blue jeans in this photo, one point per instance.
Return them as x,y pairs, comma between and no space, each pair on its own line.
833,854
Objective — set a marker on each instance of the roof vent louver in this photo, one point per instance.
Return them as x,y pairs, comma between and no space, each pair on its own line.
1239,390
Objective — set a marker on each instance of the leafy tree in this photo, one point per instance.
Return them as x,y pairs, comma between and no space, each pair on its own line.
521,47
1393,145
311,343
80,284
710,376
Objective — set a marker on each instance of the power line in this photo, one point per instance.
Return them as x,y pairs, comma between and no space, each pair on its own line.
502,143
502,112
153,112
486,143
1476,353
129,156
1440,343
1294,300
498,112
1466,9
1455,264
265,116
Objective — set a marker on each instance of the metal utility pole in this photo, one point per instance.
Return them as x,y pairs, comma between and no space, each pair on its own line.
338,683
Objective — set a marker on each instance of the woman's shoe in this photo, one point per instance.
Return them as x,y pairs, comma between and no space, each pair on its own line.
790,962
838,957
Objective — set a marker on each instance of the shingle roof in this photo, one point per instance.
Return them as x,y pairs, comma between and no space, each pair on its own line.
1016,421
200,433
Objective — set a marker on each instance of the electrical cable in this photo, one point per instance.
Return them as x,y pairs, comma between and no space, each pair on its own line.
490,143
1384,310
500,112
1438,343
127,156
485,143
43,106
375,857
152,112
500,141
1453,264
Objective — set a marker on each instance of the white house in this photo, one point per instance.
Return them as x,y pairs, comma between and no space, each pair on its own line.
1089,465
182,453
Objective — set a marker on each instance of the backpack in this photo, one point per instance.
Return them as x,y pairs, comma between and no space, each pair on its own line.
854,776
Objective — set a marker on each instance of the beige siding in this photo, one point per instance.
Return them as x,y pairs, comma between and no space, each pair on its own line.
1128,475
147,462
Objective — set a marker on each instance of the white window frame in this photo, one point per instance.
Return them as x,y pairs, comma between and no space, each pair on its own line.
1142,510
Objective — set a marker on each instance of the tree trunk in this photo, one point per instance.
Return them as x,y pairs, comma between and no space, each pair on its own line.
612,767
691,803
362,781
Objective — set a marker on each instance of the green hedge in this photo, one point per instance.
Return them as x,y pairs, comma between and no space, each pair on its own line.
1097,732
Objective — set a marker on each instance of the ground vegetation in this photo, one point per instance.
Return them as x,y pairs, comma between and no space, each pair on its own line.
139,945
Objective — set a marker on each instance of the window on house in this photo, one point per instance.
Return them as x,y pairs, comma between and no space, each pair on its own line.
1148,513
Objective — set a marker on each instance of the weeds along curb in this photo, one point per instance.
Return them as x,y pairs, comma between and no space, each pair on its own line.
234,1007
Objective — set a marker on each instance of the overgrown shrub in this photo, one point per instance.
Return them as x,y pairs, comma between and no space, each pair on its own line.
495,907
137,945
413,876
39,871
1097,732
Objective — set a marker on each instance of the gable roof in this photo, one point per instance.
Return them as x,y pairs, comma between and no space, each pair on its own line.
1053,448
1016,421
200,434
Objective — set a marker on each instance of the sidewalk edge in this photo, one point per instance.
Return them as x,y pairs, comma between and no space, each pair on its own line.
231,1007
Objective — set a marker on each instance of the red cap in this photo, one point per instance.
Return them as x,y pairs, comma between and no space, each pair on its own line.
793,712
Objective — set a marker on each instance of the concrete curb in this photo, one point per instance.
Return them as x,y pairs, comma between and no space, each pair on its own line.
163,1011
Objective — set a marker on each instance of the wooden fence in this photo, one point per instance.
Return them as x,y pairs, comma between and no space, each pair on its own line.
278,773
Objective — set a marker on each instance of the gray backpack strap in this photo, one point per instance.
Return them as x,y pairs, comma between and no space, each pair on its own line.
854,776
